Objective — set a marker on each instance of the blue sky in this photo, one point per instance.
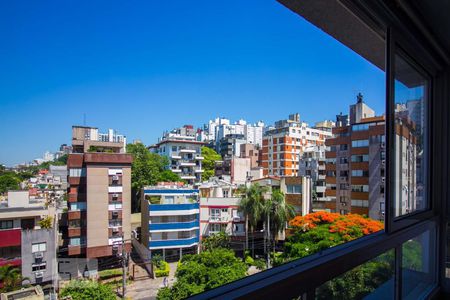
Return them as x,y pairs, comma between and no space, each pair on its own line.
142,67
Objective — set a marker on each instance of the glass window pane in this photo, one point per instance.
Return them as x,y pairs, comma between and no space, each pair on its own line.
371,280
409,138
418,266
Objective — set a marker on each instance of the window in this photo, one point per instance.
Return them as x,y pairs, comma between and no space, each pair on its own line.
39,247
78,206
360,127
6,224
174,148
360,158
360,173
360,143
360,203
410,153
294,189
77,172
360,188
169,200
343,147
39,267
225,193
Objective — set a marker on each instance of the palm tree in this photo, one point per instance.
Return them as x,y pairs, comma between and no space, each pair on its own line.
276,213
11,278
252,206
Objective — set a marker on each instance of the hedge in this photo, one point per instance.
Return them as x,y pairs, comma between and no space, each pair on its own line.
107,274
163,271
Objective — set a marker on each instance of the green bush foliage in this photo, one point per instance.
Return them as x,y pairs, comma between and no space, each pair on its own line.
107,274
204,271
86,289
162,270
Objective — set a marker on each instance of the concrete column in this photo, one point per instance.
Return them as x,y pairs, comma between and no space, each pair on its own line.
181,253
164,254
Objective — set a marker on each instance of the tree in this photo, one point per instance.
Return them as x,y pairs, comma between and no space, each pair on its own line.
11,278
208,164
46,223
86,289
276,214
9,181
321,230
215,241
252,206
147,169
207,270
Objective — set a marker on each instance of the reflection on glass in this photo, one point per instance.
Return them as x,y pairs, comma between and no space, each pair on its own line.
418,266
371,280
409,138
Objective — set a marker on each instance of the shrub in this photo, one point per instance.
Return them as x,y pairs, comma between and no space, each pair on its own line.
260,264
86,289
106,274
163,270
249,261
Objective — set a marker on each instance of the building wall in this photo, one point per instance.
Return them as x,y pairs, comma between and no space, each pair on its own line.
30,237
97,211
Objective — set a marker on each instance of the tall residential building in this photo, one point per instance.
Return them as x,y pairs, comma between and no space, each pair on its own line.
184,153
99,199
170,220
312,165
230,145
284,145
89,139
355,163
220,127
23,243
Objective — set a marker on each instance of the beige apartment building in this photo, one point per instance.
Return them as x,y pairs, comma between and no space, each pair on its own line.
99,202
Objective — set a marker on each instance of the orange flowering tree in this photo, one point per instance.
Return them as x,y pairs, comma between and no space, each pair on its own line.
321,230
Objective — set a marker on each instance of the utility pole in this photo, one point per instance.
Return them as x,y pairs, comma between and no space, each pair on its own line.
124,268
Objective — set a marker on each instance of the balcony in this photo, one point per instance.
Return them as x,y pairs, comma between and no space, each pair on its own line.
187,151
188,177
199,157
74,250
220,219
174,226
199,170
187,163
175,170
178,243
10,237
174,209
175,156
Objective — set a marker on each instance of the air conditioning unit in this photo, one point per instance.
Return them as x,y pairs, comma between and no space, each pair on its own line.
382,179
382,145
38,255
115,229
39,274
115,214
115,195
115,177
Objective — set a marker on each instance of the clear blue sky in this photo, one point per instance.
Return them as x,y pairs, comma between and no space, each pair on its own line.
143,67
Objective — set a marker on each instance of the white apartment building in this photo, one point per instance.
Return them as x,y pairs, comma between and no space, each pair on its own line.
220,127
184,153
219,209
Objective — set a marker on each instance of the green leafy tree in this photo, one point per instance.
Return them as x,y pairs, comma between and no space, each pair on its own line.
252,206
215,241
46,223
11,278
276,213
204,271
86,289
9,181
208,164
147,169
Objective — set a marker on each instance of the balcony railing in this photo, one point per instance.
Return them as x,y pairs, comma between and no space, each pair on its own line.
174,243
10,237
174,226
163,207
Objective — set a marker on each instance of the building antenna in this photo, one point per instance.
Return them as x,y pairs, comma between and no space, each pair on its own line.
84,119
